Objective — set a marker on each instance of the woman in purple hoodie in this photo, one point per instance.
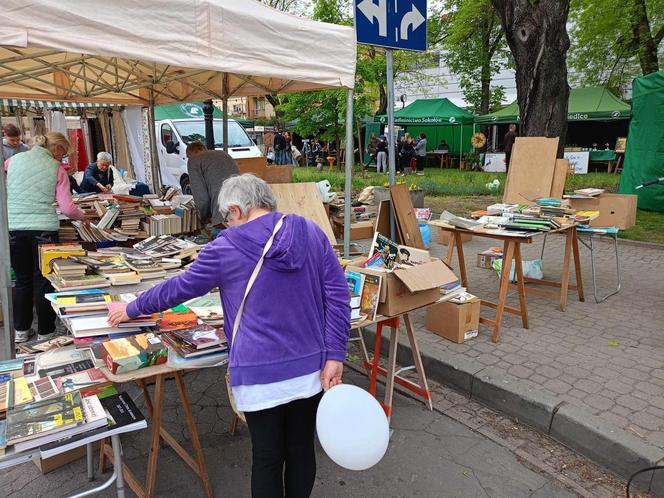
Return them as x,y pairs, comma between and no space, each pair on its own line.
292,337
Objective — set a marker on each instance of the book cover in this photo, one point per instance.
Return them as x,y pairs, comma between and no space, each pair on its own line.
355,281
43,388
177,320
121,410
186,350
22,393
201,337
69,299
35,419
370,296
12,367
131,353
388,249
78,380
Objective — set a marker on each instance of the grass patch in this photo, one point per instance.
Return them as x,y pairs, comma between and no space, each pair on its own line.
649,228
447,182
461,192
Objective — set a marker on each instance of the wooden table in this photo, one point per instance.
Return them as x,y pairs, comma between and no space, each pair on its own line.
512,251
391,374
143,376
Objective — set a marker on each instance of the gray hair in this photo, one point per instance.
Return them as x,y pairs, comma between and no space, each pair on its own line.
247,192
105,156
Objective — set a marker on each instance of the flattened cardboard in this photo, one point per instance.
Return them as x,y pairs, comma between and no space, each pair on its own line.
559,178
405,216
615,210
303,199
531,169
425,276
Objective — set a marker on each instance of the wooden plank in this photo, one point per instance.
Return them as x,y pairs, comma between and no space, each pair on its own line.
382,225
531,169
271,174
303,199
405,216
559,178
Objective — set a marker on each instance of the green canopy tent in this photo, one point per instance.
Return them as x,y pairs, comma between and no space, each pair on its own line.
440,114
192,110
644,157
585,104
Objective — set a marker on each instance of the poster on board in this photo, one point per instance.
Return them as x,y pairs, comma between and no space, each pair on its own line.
495,162
578,160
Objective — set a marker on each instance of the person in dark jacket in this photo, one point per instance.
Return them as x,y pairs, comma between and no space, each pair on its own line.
98,176
11,141
406,153
508,143
208,169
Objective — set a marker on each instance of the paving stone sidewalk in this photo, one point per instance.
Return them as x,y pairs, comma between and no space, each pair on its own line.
430,454
604,359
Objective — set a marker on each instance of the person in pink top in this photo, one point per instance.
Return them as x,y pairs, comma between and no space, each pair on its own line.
35,181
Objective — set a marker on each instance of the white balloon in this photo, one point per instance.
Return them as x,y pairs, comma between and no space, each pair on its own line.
352,427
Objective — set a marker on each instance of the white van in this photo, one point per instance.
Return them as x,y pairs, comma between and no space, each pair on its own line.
177,125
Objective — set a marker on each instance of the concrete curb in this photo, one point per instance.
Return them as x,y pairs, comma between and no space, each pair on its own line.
640,243
618,450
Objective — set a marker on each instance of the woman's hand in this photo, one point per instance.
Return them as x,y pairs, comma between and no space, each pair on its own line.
331,374
118,315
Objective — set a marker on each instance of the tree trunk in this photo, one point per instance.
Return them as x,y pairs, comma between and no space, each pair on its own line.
275,102
485,70
382,101
536,33
646,46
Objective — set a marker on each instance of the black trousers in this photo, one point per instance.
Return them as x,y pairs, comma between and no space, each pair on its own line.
420,162
283,436
508,158
30,283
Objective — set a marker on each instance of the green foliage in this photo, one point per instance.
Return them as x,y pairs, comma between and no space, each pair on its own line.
474,50
605,46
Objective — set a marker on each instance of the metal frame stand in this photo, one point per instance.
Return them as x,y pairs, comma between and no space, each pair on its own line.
115,477
591,247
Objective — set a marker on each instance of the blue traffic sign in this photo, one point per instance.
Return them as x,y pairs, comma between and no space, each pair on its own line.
400,24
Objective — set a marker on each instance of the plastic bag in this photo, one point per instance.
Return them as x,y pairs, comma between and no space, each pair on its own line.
531,269
425,230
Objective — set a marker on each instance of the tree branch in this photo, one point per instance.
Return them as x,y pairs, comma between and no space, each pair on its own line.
659,36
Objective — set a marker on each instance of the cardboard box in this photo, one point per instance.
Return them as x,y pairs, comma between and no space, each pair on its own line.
486,258
405,289
615,210
457,322
359,230
444,237
47,465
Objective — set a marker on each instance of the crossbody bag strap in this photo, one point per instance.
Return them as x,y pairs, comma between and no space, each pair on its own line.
252,279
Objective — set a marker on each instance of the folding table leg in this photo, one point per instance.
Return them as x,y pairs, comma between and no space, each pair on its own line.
564,281
391,371
117,465
577,264
417,359
157,406
451,241
508,254
462,261
523,303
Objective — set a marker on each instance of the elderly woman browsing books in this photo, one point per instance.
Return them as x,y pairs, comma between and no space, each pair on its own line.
288,337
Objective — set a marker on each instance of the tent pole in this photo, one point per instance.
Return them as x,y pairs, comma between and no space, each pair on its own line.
391,159
5,270
225,112
154,160
350,155
461,146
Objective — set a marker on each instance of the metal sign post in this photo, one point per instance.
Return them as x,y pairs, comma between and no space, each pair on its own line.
393,24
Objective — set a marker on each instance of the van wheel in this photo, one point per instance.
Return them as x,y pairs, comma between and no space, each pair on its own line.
185,185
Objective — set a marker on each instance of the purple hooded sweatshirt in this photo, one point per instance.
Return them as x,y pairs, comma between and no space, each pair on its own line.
297,314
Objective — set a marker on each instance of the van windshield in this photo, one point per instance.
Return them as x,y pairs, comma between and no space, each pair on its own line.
194,130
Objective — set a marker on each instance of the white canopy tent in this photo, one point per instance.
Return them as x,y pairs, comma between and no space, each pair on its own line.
159,51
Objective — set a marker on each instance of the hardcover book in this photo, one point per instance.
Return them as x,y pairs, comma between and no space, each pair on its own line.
131,353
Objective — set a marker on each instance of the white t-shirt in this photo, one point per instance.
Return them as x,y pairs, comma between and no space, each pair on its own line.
255,397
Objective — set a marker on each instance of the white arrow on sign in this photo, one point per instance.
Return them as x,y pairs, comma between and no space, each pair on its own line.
413,18
375,11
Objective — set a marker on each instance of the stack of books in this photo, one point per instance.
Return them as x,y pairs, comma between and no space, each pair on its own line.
208,309
146,267
49,252
42,422
88,302
163,224
68,269
78,282
197,341
67,232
